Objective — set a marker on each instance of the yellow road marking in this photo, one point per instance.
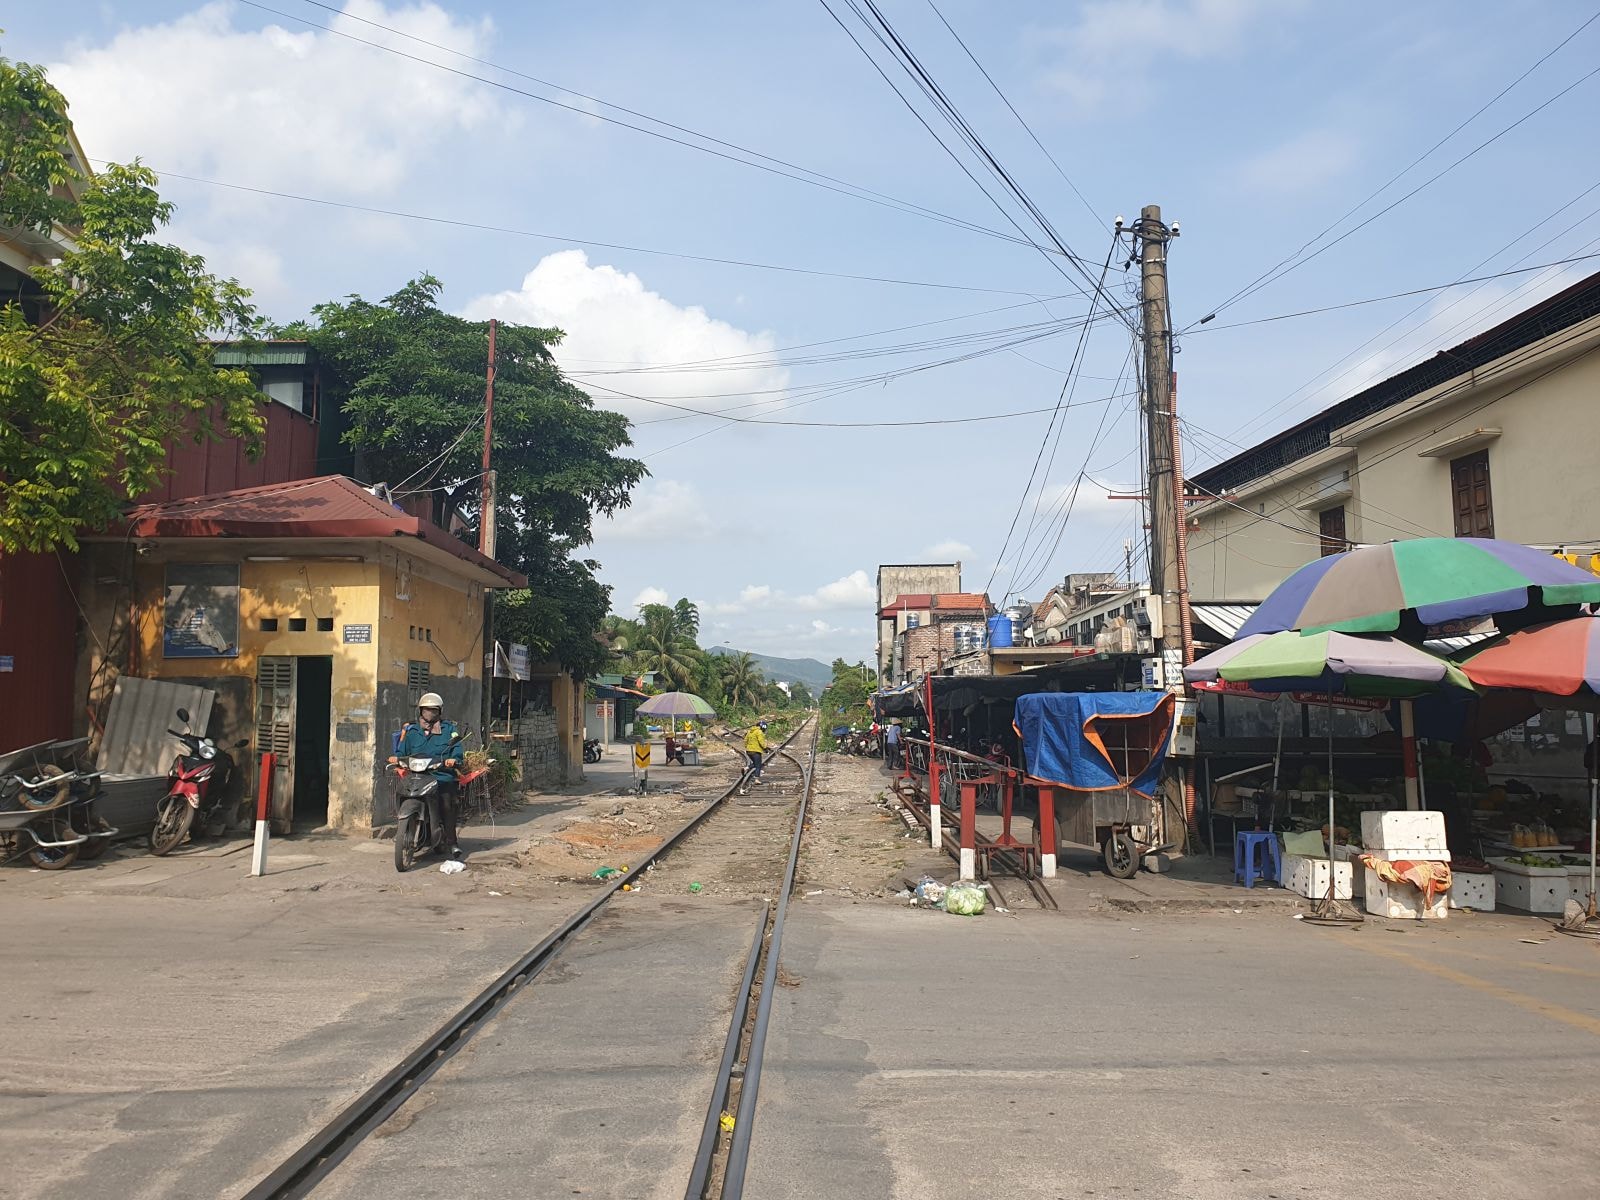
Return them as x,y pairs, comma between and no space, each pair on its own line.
1556,1012
1516,962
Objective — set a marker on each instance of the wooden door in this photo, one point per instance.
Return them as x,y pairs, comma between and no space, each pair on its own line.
1470,496
1333,537
275,680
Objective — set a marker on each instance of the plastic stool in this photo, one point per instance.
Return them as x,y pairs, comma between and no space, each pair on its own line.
1244,858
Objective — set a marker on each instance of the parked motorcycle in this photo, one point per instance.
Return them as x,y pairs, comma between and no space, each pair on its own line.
591,750
196,782
419,825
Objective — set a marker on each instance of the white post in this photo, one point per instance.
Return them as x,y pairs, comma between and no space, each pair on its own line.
1047,864
258,858
969,864
935,833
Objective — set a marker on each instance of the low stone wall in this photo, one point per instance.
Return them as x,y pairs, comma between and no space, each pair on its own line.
537,747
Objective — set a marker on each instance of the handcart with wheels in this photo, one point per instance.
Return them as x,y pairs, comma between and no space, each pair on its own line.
1096,758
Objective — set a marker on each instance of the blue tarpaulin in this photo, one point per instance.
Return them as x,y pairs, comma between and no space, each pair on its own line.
1076,739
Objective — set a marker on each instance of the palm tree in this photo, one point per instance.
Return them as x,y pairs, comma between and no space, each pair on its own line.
741,679
621,634
662,647
687,613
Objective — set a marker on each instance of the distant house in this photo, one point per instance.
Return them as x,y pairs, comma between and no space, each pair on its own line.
907,579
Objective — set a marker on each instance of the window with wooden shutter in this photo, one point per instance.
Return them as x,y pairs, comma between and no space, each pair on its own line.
1333,539
275,706
418,676
1469,495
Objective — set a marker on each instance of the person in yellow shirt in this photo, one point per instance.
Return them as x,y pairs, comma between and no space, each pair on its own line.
755,746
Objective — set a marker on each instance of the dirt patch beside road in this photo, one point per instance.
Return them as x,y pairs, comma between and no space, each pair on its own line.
856,845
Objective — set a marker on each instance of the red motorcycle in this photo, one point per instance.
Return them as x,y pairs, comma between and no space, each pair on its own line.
195,781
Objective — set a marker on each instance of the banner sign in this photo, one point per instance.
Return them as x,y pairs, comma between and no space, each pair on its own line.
200,614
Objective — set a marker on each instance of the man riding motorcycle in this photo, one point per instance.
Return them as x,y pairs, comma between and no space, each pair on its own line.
432,736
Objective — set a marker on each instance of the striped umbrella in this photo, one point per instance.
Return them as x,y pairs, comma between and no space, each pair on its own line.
1558,660
1432,580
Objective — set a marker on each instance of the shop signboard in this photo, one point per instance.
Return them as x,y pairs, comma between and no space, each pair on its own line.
519,662
200,615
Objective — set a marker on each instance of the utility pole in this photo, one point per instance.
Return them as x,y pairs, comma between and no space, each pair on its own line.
1152,237
486,538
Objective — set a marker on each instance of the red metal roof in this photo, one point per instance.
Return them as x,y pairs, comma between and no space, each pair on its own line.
942,601
330,506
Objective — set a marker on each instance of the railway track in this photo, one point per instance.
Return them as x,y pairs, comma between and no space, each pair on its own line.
730,827
952,846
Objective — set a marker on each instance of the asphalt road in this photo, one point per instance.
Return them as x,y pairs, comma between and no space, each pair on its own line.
1185,1056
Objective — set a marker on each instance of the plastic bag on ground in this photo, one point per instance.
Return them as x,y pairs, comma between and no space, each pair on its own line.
452,867
965,899
930,890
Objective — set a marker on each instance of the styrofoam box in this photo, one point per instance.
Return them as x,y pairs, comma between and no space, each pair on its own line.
1403,830
1308,877
1578,886
1411,854
1472,891
1532,893
1358,875
1402,901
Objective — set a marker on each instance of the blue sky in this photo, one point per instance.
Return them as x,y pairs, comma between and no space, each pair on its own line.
1255,123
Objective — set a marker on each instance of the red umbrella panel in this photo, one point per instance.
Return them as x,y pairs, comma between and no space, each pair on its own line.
1561,658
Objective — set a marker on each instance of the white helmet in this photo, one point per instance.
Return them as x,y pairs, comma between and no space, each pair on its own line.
431,700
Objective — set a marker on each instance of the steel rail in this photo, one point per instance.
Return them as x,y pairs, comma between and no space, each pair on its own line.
316,1158
744,1119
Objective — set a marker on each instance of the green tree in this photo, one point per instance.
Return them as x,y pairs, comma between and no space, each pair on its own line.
412,381
801,695
664,648
687,613
742,682
104,353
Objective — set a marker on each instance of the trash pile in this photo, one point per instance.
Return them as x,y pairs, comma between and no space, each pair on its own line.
962,899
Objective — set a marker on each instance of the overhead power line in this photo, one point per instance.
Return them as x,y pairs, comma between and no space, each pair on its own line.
1299,258
707,144
483,227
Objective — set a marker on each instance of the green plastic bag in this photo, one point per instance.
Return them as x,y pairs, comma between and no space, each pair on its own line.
965,899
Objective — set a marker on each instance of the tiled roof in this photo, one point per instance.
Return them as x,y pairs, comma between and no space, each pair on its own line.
331,506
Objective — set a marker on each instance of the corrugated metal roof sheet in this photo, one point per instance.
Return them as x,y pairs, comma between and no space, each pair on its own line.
136,740
327,507
269,354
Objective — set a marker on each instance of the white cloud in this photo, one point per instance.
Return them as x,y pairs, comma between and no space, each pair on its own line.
854,590
614,324
272,106
1108,50
1306,161
950,550
661,508
651,595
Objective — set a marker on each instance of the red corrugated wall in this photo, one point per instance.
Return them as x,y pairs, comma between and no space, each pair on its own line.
200,469
38,635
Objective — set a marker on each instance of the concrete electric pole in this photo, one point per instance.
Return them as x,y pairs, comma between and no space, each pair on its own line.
1165,508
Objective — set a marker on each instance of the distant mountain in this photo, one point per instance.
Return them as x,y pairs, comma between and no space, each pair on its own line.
809,671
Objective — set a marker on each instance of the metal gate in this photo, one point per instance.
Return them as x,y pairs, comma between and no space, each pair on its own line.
275,683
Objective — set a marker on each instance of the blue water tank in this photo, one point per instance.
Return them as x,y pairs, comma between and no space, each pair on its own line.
1000,630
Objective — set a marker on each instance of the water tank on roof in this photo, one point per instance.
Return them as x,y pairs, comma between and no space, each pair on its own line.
913,620
1000,632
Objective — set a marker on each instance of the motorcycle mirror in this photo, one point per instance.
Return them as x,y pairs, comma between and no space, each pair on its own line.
183,715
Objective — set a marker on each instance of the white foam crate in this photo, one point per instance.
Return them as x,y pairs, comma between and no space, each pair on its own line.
1422,831
1546,893
1358,874
1472,891
1308,877
1411,854
1578,885
1401,901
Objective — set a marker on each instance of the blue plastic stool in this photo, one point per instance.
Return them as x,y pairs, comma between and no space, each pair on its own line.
1244,858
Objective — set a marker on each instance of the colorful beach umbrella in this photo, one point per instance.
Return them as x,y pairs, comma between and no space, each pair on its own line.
1560,659
1329,662
1436,581
676,704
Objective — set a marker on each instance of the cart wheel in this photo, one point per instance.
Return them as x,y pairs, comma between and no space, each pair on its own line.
54,858
45,799
95,846
1121,856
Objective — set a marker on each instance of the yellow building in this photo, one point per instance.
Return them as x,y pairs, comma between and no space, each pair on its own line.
316,611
